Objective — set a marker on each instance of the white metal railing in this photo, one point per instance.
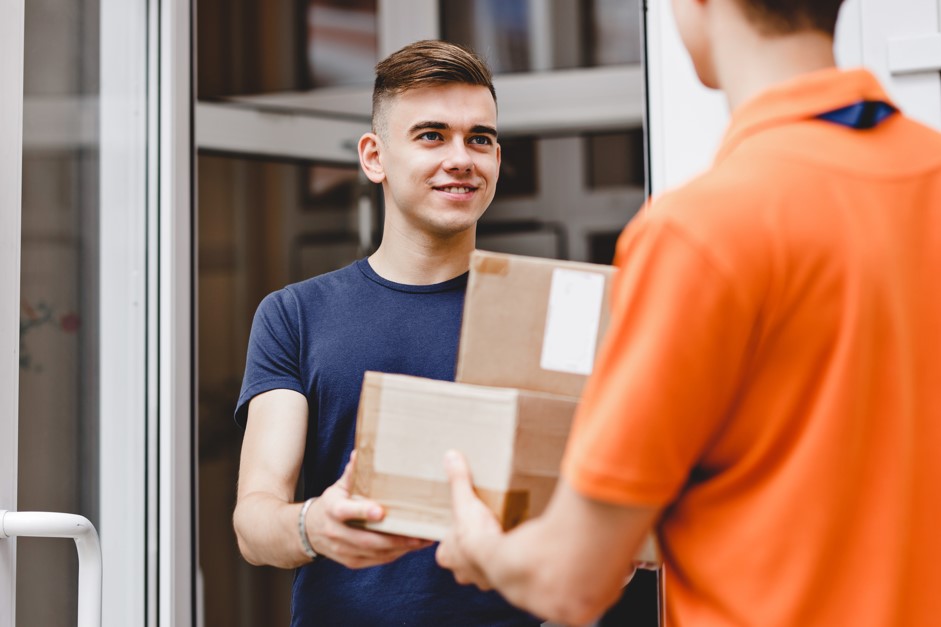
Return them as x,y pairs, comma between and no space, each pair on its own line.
54,525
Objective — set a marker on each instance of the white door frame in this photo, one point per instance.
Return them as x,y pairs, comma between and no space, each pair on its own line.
172,338
11,181
123,173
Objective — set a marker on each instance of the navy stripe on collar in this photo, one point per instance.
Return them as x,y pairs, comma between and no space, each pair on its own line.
864,114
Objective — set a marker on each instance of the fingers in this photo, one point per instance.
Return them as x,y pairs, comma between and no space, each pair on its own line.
346,509
356,548
332,536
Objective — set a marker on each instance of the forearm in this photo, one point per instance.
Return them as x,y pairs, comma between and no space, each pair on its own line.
532,569
267,531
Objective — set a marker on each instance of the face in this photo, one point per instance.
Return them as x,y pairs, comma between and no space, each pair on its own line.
437,159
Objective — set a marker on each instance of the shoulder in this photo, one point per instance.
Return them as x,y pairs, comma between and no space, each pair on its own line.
309,292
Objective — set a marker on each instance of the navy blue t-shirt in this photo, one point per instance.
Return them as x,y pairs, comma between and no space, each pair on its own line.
317,338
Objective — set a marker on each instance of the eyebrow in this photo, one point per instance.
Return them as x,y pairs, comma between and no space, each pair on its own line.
478,129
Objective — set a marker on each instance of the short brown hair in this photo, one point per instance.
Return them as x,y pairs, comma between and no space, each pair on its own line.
426,63
790,16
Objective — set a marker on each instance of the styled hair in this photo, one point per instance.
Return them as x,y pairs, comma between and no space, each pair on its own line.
789,16
427,63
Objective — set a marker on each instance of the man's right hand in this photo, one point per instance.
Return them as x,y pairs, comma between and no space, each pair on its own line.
331,535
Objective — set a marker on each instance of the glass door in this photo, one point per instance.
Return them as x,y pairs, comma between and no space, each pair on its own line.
79,113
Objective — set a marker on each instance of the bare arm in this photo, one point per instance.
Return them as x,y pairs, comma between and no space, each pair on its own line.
568,565
265,517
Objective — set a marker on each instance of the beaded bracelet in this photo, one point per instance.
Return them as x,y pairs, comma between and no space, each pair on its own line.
302,529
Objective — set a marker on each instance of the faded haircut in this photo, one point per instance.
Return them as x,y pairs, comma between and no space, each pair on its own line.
427,63
782,17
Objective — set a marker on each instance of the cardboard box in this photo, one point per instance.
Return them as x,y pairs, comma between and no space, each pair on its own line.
513,441
532,323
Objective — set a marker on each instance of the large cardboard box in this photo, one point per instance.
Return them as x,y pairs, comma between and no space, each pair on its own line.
513,440
532,323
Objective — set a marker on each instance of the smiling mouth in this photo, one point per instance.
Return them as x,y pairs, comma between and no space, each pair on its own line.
455,189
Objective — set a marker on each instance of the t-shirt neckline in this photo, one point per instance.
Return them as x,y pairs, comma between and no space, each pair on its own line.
457,282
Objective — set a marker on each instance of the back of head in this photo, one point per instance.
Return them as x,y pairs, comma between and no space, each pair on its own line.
428,63
782,17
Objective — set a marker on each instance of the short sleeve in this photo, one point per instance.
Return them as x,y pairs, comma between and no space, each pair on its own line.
273,359
666,372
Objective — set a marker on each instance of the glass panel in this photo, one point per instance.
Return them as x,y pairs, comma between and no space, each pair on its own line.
497,29
540,35
616,159
59,319
565,196
262,224
249,47
341,43
613,32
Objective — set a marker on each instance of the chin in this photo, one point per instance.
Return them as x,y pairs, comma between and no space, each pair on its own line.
452,228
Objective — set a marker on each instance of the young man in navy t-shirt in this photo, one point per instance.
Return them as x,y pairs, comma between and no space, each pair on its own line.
433,147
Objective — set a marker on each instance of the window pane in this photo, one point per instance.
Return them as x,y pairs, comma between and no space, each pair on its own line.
58,376
262,224
540,35
497,29
613,34
616,159
342,44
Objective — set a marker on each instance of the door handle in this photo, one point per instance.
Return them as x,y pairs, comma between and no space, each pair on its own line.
80,529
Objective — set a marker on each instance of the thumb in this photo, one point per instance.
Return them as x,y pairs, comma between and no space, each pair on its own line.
345,482
459,475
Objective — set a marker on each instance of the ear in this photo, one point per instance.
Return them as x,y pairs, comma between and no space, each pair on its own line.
369,160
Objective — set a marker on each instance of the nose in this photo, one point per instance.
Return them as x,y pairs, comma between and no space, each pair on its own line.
458,158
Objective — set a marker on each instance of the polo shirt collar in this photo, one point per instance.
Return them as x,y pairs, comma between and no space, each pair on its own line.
801,98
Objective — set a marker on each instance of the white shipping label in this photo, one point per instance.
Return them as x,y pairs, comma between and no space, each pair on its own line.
572,321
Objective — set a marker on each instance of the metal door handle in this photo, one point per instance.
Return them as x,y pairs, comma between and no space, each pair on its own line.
55,525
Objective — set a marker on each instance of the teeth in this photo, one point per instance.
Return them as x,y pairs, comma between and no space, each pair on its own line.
457,190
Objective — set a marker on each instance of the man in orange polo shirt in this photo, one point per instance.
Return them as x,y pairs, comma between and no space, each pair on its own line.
768,398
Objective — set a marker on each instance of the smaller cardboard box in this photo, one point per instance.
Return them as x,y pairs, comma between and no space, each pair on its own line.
513,440
532,323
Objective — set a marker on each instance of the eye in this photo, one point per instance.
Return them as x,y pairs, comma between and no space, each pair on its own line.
433,136
482,140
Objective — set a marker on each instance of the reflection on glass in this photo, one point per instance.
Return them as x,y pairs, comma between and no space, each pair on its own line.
539,35
497,29
261,225
613,34
58,375
518,168
330,188
342,45
616,159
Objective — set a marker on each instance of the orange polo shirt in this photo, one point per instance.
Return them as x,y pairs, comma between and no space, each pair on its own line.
772,373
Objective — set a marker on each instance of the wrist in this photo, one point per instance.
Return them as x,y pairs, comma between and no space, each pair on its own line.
302,530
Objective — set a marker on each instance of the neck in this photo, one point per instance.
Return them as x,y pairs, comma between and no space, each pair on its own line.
747,62
422,259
